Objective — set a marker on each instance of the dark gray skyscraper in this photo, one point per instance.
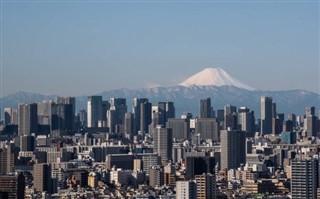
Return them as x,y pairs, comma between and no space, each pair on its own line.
145,117
205,108
94,111
27,119
166,110
266,115
246,121
129,125
208,128
233,149
136,110
162,143
180,128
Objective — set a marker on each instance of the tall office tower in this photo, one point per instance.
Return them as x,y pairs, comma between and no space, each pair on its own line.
180,128
148,160
310,111
12,186
121,108
246,121
45,111
233,149
229,109
136,110
304,178
62,117
231,121
145,117
266,115
111,119
311,122
205,108
166,110
10,116
293,118
311,125
27,143
208,128
288,126
186,190
276,126
6,159
199,164
94,111
206,184
83,117
156,176
27,119
105,108
129,125
220,115
274,110
162,143
42,177
71,101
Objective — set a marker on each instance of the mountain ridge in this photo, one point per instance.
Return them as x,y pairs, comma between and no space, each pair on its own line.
187,99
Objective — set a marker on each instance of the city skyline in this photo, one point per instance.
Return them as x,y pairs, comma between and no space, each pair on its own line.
106,45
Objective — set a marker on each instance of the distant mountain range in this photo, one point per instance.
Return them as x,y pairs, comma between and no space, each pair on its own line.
213,83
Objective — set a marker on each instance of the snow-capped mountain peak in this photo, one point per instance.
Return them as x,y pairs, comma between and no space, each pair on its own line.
214,77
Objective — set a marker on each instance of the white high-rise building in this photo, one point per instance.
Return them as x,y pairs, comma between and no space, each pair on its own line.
94,111
186,190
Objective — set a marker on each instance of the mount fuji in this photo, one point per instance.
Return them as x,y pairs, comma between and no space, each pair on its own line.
215,83
214,77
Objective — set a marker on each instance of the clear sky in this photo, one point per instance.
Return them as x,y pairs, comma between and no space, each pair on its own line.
86,47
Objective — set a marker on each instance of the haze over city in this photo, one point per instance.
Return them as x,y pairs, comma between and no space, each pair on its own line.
82,47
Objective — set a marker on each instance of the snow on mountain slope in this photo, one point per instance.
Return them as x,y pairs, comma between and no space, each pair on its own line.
214,77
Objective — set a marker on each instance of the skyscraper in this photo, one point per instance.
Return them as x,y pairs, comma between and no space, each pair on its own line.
162,143
304,179
94,111
246,121
145,117
27,119
180,128
311,122
136,110
186,190
12,186
266,115
129,125
208,128
70,103
199,164
233,149
6,159
206,186
42,177
166,110
205,108
10,116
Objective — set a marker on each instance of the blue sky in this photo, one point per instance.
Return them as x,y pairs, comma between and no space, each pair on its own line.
77,47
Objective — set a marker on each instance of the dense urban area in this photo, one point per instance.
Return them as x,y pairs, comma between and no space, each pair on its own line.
53,149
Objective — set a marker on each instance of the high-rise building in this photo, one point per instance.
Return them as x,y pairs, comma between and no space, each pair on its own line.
145,117
120,106
199,164
233,149
310,110
293,118
27,119
246,121
136,110
10,116
94,111
205,108
311,122
70,103
276,126
186,190
156,177
229,109
6,159
288,137
162,143
304,178
266,115
148,160
12,186
27,143
180,128
231,121
62,117
129,125
208,128
166,110
42,178
206,186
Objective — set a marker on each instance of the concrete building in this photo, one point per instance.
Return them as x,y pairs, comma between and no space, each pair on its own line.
266,115
94,111
162,143
186,190
206,186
